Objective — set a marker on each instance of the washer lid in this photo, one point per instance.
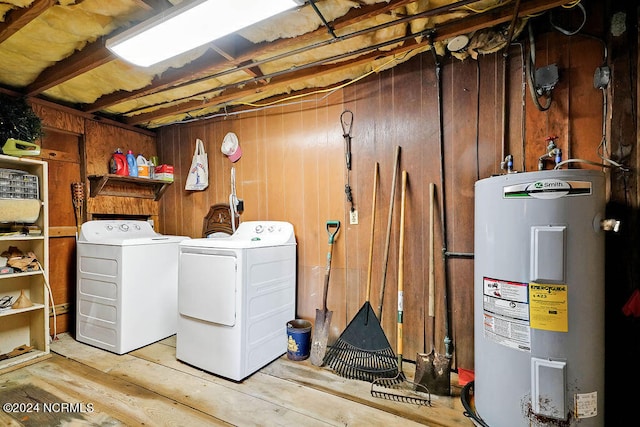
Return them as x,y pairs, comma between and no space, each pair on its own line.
117,232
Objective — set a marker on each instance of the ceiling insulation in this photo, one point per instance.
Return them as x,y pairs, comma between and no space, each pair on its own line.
56,50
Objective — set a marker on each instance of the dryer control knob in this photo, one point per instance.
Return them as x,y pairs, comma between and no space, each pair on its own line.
109,227
259,229
124,227
271,229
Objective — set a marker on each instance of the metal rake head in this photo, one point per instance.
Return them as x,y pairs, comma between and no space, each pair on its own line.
399,389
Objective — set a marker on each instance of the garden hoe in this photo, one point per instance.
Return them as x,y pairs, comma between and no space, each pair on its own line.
323,316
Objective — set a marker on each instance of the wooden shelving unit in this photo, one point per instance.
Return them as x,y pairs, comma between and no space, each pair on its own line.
27,326
102,185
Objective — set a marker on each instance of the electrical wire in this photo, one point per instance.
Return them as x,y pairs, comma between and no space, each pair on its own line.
350,82
466,397
233,200
256,62
589,162
567,32
486,9
54,337
531,60
284,102
477,120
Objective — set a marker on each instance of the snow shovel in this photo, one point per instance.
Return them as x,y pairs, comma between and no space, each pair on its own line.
323,316
433,369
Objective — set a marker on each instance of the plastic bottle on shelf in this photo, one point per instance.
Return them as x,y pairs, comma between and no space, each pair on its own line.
118,163
143,167
133,166
152,169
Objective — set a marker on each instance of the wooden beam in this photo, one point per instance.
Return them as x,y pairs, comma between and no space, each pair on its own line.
472,23
18,18
72,66
244,89
90,57
169,78
62,231
492,18
234,52
237,52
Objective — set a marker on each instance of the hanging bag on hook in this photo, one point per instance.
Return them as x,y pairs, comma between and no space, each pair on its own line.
198,176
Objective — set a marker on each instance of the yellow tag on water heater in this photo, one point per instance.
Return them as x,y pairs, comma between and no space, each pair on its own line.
548,307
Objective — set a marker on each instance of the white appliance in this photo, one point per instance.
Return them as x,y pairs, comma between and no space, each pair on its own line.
539,299
235,297
127,285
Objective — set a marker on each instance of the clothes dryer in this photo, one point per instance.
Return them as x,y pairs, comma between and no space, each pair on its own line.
127,285
235,297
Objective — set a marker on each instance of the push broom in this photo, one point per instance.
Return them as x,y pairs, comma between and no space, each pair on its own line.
363,352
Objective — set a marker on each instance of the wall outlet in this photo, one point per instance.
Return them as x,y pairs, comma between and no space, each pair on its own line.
353,217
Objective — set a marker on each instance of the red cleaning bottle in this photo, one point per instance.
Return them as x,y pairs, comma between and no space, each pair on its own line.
118,163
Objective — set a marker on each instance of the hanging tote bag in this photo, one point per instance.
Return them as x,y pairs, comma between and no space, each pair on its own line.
198,177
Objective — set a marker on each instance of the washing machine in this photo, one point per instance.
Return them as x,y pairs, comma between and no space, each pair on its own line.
127,285
235,296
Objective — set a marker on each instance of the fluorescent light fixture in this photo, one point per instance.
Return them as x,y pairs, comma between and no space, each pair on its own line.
189,25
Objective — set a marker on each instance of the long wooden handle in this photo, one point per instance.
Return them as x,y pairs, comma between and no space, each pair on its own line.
386,247
373,225
401,266
432,274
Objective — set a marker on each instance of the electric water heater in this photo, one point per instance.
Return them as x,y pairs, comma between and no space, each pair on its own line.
539,299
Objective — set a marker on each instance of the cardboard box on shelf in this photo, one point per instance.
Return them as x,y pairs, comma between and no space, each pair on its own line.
164,172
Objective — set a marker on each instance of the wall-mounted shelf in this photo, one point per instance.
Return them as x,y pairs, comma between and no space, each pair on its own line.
99,186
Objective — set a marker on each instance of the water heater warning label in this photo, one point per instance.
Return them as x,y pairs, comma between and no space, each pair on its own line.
506,313
549,307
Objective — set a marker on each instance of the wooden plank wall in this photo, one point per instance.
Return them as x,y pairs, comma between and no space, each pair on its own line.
75,145
101,142
61,148
293,169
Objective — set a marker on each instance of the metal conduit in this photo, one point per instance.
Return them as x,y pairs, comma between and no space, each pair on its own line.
336,39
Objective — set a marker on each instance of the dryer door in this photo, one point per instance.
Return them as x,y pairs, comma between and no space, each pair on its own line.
207,287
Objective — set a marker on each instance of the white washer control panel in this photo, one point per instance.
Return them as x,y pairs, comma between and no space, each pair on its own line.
92,231
275,232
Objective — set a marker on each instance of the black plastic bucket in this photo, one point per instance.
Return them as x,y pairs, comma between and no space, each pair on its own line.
298,339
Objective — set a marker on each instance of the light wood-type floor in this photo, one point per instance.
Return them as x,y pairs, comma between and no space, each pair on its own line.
81,385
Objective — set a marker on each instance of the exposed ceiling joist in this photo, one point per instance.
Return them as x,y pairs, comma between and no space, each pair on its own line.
300,49
498,16
249,88
20,17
